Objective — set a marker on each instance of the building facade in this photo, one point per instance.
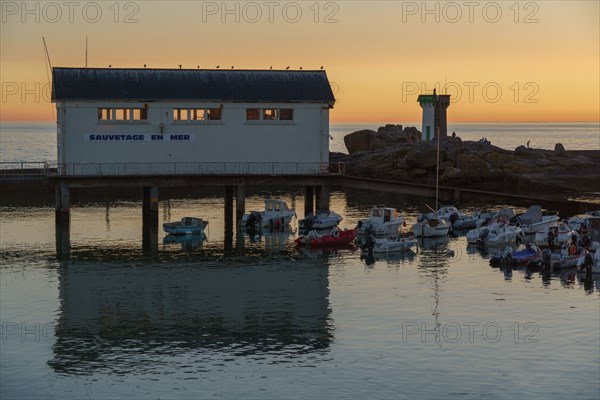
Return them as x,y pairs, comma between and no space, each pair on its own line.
128,121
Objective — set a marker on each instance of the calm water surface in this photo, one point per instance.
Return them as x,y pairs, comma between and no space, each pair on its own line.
37,141
252,317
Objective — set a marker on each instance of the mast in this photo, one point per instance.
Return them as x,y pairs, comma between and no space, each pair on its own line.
437,171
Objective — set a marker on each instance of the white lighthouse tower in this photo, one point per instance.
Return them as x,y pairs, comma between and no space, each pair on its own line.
434,115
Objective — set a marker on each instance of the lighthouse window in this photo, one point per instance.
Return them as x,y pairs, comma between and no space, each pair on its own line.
104,114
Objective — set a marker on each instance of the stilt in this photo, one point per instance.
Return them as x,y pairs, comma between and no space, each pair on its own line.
150,221
240,202
61,196
309,198
323,197
63,236
228,245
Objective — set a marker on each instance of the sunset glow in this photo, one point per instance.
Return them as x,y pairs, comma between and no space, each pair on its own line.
500,61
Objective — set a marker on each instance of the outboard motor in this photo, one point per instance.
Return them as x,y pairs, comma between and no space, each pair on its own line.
453,218
482,237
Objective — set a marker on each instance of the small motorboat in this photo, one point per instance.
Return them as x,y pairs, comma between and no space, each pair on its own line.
505,215
495,235
556,235
187,226
534,220
518,257
457,218
320,220
335,237
428,225
275,215
568,256
394,244
382,221
589,260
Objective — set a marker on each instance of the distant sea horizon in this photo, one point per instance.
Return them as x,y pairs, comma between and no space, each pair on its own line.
36,141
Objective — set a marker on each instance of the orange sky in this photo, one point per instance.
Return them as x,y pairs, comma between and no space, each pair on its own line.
537,61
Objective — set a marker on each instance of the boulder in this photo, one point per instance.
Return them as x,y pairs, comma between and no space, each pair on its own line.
472,166
386,136
522,151
452,173
559,149
423,155
496,160
412,134
359,141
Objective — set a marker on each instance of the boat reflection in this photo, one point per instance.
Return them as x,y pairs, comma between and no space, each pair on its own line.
111,315
188,243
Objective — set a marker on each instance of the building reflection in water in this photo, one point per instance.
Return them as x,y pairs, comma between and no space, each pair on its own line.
114,313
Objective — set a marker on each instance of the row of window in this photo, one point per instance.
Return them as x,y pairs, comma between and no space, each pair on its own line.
195,114
122,114
269,114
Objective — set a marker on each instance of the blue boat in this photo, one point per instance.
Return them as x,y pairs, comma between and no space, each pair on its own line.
187,226
518,257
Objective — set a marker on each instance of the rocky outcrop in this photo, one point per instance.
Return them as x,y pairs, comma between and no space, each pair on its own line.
467,163
385,137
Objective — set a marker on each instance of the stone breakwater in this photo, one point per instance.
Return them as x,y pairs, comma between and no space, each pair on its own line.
393,154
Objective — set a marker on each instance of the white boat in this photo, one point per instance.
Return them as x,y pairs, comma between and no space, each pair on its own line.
458,219
505,214
187,226
498,234
394,244
593,258
382,221
581,222
565,259
428,225
320,220
534,220
557,234
276,214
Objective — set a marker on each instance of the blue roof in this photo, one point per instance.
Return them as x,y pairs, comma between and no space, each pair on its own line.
226,85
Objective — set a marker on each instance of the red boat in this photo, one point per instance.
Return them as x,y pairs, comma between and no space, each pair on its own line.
336,237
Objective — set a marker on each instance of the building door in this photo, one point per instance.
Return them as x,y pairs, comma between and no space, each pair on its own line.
428,135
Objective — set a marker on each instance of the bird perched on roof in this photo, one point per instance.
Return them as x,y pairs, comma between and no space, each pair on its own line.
218,66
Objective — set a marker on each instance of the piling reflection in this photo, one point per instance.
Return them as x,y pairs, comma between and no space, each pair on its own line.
111,315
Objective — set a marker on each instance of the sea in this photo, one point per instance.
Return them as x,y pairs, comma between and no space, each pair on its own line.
36,142
96,309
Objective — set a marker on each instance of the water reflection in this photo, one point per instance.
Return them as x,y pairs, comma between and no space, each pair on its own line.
128,317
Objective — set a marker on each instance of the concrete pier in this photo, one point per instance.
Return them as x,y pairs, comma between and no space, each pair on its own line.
61,195
62,235
150,221
309,200
228,218
240,202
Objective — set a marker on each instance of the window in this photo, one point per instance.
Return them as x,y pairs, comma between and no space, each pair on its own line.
140,114
270,114
214,114
252,114
180,114
122,114
104,114
198,114
286,114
